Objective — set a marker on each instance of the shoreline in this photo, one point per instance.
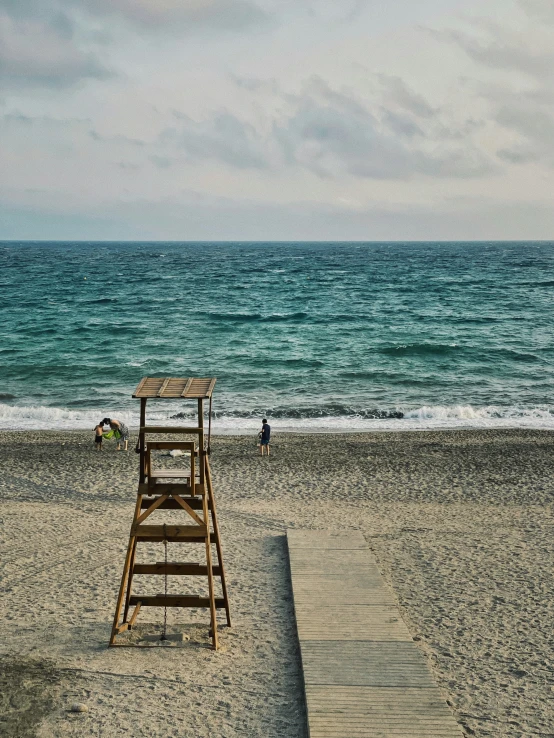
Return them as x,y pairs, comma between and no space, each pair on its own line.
276,430
460,523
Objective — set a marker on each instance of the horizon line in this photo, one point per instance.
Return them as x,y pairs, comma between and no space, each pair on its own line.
279,241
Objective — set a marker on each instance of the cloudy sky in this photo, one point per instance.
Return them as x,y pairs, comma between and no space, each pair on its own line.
276,119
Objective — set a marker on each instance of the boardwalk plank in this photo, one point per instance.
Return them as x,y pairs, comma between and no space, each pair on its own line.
363,675
317,539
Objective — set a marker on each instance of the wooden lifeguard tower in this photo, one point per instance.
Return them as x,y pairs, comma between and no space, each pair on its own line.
187,489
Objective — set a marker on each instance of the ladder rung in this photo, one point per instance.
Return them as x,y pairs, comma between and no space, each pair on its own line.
181,539
170,532
175,601
174,568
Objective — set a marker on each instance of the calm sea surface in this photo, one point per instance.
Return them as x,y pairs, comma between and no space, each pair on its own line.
315,336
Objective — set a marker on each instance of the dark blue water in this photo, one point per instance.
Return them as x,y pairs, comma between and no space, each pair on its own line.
336,335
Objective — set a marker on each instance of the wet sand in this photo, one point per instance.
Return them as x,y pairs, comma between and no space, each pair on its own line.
461,523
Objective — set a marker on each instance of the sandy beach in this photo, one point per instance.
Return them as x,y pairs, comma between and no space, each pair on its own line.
461,523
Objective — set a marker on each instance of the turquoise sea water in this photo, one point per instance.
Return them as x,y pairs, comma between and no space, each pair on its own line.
315,336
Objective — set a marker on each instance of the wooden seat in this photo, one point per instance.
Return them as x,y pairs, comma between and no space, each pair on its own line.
169,474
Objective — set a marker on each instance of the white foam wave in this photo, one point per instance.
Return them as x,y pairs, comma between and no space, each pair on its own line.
429,417
32,417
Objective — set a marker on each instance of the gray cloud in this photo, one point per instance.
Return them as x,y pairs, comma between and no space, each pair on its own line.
254,84
534,126
331,132
54,43
120,139
396,91
517,155
525,112
329,139
401,125
223,138
179,14
43,50
541,9
502,53
396,134
19,119
162,162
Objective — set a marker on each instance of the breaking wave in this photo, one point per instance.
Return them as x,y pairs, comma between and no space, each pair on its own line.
322,418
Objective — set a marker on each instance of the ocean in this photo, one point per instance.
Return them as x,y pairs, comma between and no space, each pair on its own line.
313,336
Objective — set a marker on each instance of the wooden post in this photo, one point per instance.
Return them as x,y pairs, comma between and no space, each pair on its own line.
148,468
211,497
142,442
129,581
124,576
201,453
192,472
213,618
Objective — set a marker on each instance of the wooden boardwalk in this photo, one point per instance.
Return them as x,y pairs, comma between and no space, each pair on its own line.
363,674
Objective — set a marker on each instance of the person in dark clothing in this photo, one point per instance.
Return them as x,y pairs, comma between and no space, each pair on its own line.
264,437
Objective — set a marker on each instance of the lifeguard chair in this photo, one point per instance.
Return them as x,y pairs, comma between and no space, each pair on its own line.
187,489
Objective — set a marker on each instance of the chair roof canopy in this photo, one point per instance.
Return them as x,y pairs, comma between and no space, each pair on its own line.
166,388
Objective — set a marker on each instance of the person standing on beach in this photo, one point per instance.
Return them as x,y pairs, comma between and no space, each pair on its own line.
99,430
121,428
264,437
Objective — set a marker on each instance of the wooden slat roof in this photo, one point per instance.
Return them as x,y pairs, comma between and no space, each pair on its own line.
175,387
